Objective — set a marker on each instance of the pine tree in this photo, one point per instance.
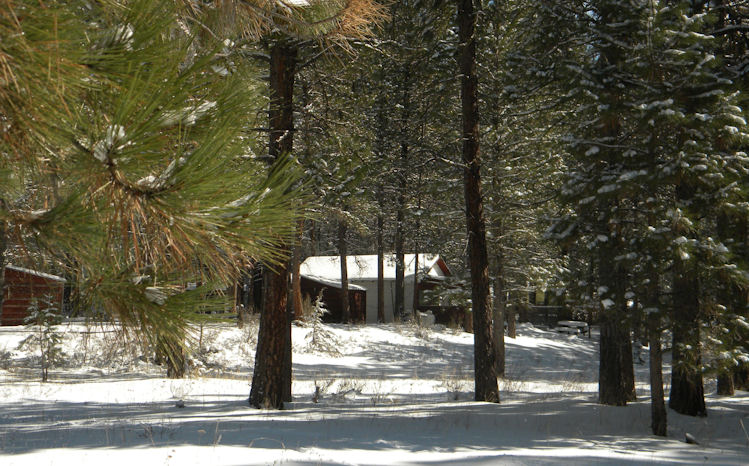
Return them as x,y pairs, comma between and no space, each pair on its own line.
282,28
138,170
484,353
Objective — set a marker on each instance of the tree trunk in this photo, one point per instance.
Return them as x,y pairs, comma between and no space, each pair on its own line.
415,300
687,392
499,325
658,414
741,377
380,269
628,363
733,229
726,387
3,247
400,295
271,379
612,387
296,278
400,284
510,311
484,366
615,371
400,227
652,321
345,311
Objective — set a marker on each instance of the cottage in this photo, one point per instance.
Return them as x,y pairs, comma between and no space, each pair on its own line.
332,298
21,287
362,272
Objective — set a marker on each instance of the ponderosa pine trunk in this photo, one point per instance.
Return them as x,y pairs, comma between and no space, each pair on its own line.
271,378
485,374
400,295
3,247
510,312
498,330
400,242
380,268
345,311
400,220
415,297
296,278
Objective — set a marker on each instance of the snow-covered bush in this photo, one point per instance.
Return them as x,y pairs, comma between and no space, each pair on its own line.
44,338
319,338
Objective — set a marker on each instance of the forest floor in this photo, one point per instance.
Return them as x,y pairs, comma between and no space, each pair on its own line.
369,395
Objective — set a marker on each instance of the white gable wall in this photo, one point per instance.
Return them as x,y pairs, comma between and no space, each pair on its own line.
371,287
362,271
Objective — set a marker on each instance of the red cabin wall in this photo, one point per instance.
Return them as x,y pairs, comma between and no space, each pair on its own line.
20,288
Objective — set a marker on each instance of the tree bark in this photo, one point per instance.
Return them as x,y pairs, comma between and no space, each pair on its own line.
499,317
296,278
400,225
400,295
3,247
687,392
652,321
271,378
345,311
511,328
615,371
726,386
400,283
380,269
485,375
658,414
733,229
415,297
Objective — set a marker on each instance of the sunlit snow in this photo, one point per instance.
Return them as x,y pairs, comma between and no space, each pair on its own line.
390,394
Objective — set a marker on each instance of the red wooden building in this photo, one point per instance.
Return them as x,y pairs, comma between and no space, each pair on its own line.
23,285
332,297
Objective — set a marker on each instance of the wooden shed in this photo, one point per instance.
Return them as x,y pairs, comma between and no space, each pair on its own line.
21,286
332,297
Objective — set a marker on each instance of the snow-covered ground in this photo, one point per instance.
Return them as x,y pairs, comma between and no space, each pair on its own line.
376,394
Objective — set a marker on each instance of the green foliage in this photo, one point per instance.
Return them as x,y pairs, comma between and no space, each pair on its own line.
126,159
41,321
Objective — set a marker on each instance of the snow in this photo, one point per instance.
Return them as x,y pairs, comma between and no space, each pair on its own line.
364,267
592,151
391,394
114,135
36,273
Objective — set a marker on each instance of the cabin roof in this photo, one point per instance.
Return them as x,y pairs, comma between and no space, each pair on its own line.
35,273
364,267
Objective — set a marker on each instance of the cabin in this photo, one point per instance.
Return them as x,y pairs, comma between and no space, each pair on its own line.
332,298
21,287
362,274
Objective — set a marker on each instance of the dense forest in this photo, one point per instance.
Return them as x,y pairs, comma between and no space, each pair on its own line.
594,150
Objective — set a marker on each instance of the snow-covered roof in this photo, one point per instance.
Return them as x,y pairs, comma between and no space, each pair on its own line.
35,273
332,283
365,267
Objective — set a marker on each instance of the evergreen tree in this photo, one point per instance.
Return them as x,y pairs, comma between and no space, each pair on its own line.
484,353
135,147
281,29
